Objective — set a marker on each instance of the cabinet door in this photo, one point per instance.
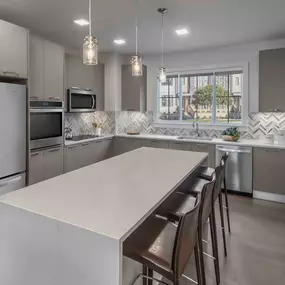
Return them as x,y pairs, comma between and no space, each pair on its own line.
13,50
268,170
208,148
106,148
133,90
179,145
72,156
159,144
36,170
122,145
36,68
53,72
53,162
271,77
86,154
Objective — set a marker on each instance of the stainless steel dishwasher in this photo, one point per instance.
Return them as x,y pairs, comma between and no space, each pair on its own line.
239,167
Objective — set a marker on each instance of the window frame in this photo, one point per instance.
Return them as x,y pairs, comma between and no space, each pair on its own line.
201,70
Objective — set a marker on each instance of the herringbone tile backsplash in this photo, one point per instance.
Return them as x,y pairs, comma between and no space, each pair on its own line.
259,124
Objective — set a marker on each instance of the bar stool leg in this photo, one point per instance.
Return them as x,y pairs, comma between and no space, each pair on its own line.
227,204
198,266
201,257
223,223
215,250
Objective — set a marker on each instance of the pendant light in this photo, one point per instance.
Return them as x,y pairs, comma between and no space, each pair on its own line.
137,69
162,69
90,46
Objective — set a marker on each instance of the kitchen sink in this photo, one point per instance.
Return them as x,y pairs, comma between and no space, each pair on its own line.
194,138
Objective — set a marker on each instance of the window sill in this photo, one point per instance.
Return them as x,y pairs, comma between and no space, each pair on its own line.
202,126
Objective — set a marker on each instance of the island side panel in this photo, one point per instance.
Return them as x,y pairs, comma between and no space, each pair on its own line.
38,250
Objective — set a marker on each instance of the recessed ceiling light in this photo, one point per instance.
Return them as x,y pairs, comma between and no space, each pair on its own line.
182,32
81,22
119,41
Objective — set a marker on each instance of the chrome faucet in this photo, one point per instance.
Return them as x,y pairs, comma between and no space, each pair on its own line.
195,124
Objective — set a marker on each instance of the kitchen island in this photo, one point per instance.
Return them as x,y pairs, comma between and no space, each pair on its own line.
70,229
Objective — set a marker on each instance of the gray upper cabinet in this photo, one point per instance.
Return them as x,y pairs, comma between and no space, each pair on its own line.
46,70
268,168
53,72
36,68
134,90
13,50
271,80
83,76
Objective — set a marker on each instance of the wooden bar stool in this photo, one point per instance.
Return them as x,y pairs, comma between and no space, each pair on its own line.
170,251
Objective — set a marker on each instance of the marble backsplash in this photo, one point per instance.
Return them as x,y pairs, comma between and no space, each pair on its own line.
259,124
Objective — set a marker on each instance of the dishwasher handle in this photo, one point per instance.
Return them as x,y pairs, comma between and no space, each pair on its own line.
233,150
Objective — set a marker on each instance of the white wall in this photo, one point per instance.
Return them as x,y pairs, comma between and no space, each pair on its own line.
238,54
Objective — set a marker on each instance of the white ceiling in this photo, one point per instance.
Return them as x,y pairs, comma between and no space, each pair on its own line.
212,22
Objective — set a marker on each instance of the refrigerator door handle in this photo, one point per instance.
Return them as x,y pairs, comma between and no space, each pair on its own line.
10,181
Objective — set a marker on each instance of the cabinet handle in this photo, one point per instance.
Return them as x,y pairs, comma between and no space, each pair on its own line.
34,97
202,145
274,110
54,98
71,147
35,153
272,150
85,144
98,142
11,73
54,150
75,88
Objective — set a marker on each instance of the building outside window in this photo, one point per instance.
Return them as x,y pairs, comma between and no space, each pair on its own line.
216,97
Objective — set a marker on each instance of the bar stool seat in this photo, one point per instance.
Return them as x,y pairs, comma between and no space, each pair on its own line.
158,255
206,172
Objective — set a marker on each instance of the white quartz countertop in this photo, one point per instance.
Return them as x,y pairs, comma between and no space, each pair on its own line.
104,137
111,197
241,142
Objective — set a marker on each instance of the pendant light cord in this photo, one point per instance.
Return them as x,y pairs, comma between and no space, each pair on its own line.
162,41
137,4
90,19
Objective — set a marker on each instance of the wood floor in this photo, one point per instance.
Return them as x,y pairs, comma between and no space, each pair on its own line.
256,246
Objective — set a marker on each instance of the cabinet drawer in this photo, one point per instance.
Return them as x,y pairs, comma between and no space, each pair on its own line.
179,146
268,168
159,144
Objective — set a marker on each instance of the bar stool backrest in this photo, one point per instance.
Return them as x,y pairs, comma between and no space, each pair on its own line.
187,231
220,174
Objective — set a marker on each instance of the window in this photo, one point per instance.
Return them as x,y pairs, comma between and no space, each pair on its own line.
213,98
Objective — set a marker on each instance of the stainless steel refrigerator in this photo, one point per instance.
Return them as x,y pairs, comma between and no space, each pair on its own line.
12,137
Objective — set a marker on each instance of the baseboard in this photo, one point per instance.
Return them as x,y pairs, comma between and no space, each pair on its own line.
269,196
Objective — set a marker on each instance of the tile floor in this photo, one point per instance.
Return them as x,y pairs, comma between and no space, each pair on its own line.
256,246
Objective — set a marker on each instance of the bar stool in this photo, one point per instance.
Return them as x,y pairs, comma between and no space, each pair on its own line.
206,212
169,253
207,172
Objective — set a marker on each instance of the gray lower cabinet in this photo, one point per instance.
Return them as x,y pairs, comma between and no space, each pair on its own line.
53,162
179,145
122,145
36,170
45,164
84,154
268,170
159,144
208,148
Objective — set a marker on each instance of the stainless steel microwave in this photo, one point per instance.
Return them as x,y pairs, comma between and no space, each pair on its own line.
79,101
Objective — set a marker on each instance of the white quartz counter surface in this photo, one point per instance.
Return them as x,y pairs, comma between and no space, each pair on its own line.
241,142
111,197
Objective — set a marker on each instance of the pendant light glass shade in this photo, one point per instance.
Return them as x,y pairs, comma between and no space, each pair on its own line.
162,70
162,75
137,69
90,46
90,51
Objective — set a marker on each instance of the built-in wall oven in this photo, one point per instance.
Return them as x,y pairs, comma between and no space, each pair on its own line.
46,124
81,100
